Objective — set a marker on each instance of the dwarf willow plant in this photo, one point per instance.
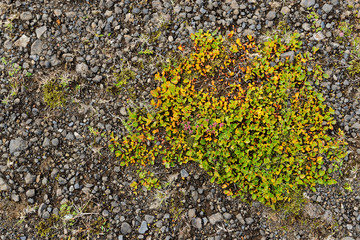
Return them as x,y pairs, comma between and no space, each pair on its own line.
248,116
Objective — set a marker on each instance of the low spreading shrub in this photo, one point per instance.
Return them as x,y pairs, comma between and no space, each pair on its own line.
247,115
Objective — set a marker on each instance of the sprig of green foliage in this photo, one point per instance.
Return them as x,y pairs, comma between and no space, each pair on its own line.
250,119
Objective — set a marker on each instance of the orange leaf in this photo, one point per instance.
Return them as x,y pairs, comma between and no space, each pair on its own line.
181,48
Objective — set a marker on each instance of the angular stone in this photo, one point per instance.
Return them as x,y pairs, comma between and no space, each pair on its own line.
271,15
46,142
285,10
36,47
30,193
22,41
15,197
240,218
290,55
249,220
196,222
215,218
17,145
307,3
3,185
313,210
82,68
319,36
356,125
191,213
327,8
40,31
149,218
29,178
184,173
143,228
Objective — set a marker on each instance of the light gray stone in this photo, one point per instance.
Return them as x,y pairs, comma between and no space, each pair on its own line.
356,125
149,218
40,31
289,55
30,193
46,142
36,47
307,3
191,213
3,185
249,220
215,218
319,36
184,173
22,41
57,12
26,16
29,178
17,145
15,197
285,10
327,8
240,218
82,68
196,222
143,228
125,228
271,15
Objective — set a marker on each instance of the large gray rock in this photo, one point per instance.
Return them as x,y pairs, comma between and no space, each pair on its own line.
327,8
196,222
319,36
36,47
271,15
82,69
26,16
40,31
29,178
240,219
143,228
215,218
3,185
313,210
125,228
17,145
22,41
307,3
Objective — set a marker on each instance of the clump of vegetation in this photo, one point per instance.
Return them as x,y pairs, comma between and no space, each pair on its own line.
12,71
344,31
248,118
121,80
70,216
54,93
354,67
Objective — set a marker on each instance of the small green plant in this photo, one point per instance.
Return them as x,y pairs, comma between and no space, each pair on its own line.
93,131
54,93
147,52
314,17
122,80
344,31
347,186
255,124
354,67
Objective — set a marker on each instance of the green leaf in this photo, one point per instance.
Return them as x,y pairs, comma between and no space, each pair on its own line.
331,182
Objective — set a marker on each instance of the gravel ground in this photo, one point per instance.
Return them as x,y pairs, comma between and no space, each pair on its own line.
49,157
